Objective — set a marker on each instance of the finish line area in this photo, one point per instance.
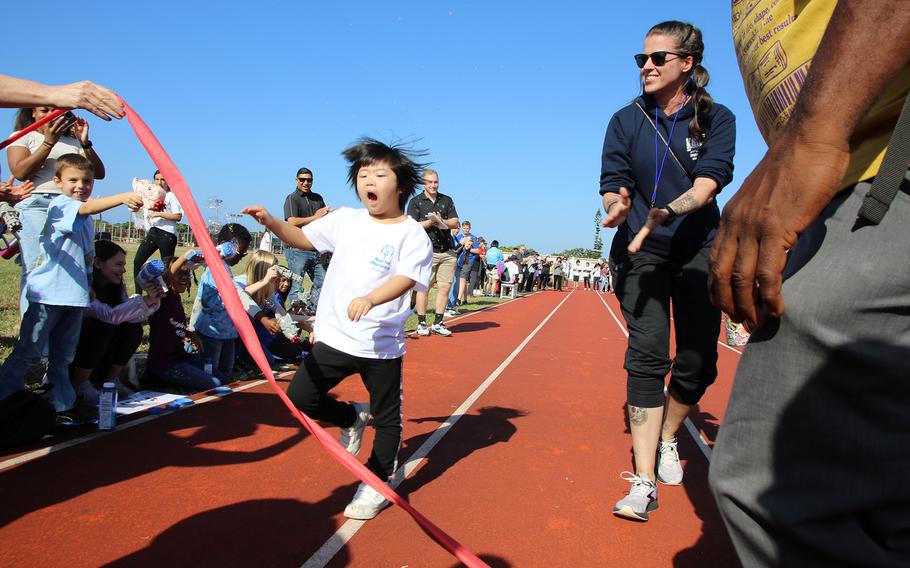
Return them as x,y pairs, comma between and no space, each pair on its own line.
515,435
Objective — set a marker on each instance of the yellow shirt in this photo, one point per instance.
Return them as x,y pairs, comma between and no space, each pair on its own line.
775,41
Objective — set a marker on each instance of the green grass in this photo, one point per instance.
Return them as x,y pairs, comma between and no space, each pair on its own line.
9,298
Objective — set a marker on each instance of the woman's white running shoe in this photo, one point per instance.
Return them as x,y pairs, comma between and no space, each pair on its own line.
641,500
669,471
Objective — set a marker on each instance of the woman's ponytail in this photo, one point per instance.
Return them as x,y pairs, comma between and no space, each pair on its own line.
689,41
702,101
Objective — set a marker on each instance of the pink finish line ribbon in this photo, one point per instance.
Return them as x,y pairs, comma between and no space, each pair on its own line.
234,308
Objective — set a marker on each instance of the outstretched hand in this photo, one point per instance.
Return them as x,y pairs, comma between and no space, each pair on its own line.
100,101
616,206
258,212
777,202
656,218
132,201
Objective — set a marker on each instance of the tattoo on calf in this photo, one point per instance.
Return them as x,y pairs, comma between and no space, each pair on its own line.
638,415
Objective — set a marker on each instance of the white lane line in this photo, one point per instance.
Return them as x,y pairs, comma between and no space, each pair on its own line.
693,431
737,351
33,455
337,541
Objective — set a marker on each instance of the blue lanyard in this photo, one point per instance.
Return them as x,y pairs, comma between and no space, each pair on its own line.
658,162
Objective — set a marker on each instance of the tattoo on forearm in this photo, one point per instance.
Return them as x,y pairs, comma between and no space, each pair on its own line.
685,203
638,415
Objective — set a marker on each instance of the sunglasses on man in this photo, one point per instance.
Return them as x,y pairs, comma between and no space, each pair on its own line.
658,58
305,180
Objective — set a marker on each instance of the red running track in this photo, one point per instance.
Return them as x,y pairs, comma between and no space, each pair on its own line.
526,477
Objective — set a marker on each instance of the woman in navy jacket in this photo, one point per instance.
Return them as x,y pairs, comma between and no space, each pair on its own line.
665,157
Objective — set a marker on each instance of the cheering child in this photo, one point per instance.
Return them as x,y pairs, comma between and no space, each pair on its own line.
209,318
174,351
58,286
380,254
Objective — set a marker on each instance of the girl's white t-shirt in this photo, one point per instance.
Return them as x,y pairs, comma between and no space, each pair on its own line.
171,205
366,255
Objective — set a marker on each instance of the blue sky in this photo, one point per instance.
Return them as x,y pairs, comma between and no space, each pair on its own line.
510,98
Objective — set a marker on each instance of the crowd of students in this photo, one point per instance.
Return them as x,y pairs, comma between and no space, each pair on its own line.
530,272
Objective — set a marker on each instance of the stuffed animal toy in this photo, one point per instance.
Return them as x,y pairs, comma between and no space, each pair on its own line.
151,193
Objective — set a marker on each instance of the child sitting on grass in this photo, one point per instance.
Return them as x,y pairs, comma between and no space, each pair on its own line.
111,326
379,255
210,319
58,287
173,350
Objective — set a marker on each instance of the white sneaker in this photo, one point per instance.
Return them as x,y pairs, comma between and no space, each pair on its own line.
422,329
440,329
641,500
366,504
669,472
351,438
451,313
88,393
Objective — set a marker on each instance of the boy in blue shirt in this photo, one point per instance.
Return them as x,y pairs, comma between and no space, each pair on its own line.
58,287
210,319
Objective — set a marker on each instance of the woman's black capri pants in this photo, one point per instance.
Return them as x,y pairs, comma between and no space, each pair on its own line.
645,285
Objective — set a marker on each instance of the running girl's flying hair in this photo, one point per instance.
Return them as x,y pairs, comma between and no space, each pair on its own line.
368,151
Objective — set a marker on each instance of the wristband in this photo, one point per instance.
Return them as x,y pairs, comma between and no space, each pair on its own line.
87,145
48,144
671,217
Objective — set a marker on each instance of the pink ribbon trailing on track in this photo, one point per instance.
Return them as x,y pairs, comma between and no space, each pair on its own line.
33,126
234,308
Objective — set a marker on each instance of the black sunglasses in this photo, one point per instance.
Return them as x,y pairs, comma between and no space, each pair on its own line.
658,58
304,180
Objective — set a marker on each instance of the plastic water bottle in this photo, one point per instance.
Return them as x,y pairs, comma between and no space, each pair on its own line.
195,258
207,365
227,250
107,405
151,275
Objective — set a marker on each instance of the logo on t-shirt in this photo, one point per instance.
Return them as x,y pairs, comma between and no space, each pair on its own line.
383,260
693,147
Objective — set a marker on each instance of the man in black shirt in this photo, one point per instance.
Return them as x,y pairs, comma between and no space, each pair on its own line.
436,213
302,207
